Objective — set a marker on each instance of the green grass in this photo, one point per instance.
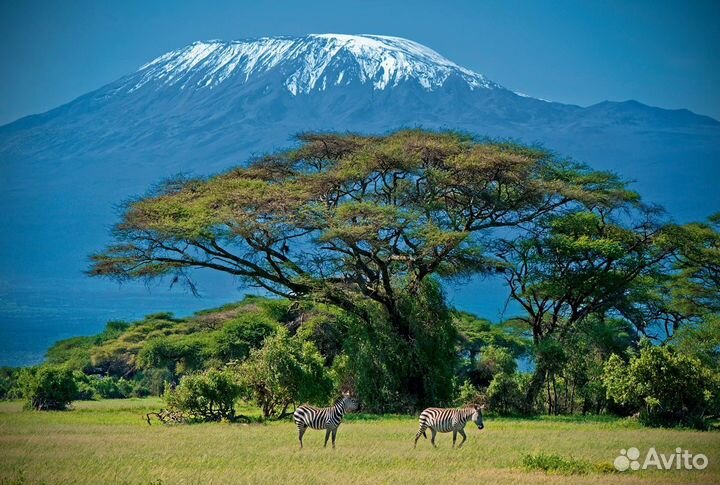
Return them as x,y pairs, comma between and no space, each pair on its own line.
559,464
108,442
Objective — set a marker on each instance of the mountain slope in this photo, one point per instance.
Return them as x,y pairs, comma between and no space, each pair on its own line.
210,105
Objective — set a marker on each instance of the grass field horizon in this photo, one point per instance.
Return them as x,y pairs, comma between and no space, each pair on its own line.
109,442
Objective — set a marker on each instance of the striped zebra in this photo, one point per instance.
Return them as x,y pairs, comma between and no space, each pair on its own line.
329,419
443,420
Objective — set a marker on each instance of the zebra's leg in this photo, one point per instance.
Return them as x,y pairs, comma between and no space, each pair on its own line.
421,432
432,438
454,438
301,432
334,433
462,433
327,435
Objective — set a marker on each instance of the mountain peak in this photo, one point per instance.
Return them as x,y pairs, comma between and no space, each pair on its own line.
305,64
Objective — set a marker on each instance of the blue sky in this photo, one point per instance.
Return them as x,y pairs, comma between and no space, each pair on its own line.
663,53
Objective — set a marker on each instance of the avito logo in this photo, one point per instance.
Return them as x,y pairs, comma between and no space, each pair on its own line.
680,460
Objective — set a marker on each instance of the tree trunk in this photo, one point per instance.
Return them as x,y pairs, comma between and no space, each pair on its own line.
536,384
549,396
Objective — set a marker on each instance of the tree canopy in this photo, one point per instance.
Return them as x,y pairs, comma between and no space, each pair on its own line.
371,226
346,218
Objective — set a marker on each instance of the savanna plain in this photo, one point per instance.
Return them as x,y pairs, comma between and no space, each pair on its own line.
109,442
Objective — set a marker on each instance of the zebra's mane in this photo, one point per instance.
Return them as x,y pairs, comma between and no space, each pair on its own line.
469,410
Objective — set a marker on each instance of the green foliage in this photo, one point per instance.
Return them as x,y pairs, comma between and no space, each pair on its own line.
237,337
376,365
701,340
357,222
179,353
467,393
394,374
495,360
153,381
433,359
325,328
48,387
504,394
206,396
557,464
114,388
284,371
9,383
665,386
73,352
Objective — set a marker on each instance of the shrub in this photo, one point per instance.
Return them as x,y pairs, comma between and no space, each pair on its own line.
467,393
48,387
556,464
208,396
504,395
86,391
284,371
8,383
113,388
494,360
154,381
665,386
244,333
393,374
179,353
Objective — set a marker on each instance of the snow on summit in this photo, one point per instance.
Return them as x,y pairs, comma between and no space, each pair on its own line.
305,64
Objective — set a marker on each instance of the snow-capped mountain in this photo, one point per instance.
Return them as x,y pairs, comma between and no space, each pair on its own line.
210,105
310,63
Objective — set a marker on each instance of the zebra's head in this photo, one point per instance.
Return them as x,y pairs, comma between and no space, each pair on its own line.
477,416
350,402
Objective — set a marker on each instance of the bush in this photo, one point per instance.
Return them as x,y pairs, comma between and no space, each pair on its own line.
468,394
284,371
113,388
557,464
395,374
494,360
208,396
504,395
238,337
180,354
48,387
8,383
154,381
86,391
665,386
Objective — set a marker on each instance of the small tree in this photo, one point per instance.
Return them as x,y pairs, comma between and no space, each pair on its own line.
48,387
282,372
238,337
504,395
667,387
208,396
495,360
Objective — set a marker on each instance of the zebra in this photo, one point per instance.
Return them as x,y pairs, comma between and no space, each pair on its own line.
444,420
329,419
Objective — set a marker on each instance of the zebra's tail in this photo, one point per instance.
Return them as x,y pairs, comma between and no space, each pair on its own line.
421,431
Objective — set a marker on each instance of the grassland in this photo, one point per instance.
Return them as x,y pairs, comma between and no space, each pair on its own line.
108,442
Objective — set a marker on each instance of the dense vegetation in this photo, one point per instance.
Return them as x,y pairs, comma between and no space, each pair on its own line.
355,237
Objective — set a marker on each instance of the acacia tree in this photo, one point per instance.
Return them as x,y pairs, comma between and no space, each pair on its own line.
349,220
